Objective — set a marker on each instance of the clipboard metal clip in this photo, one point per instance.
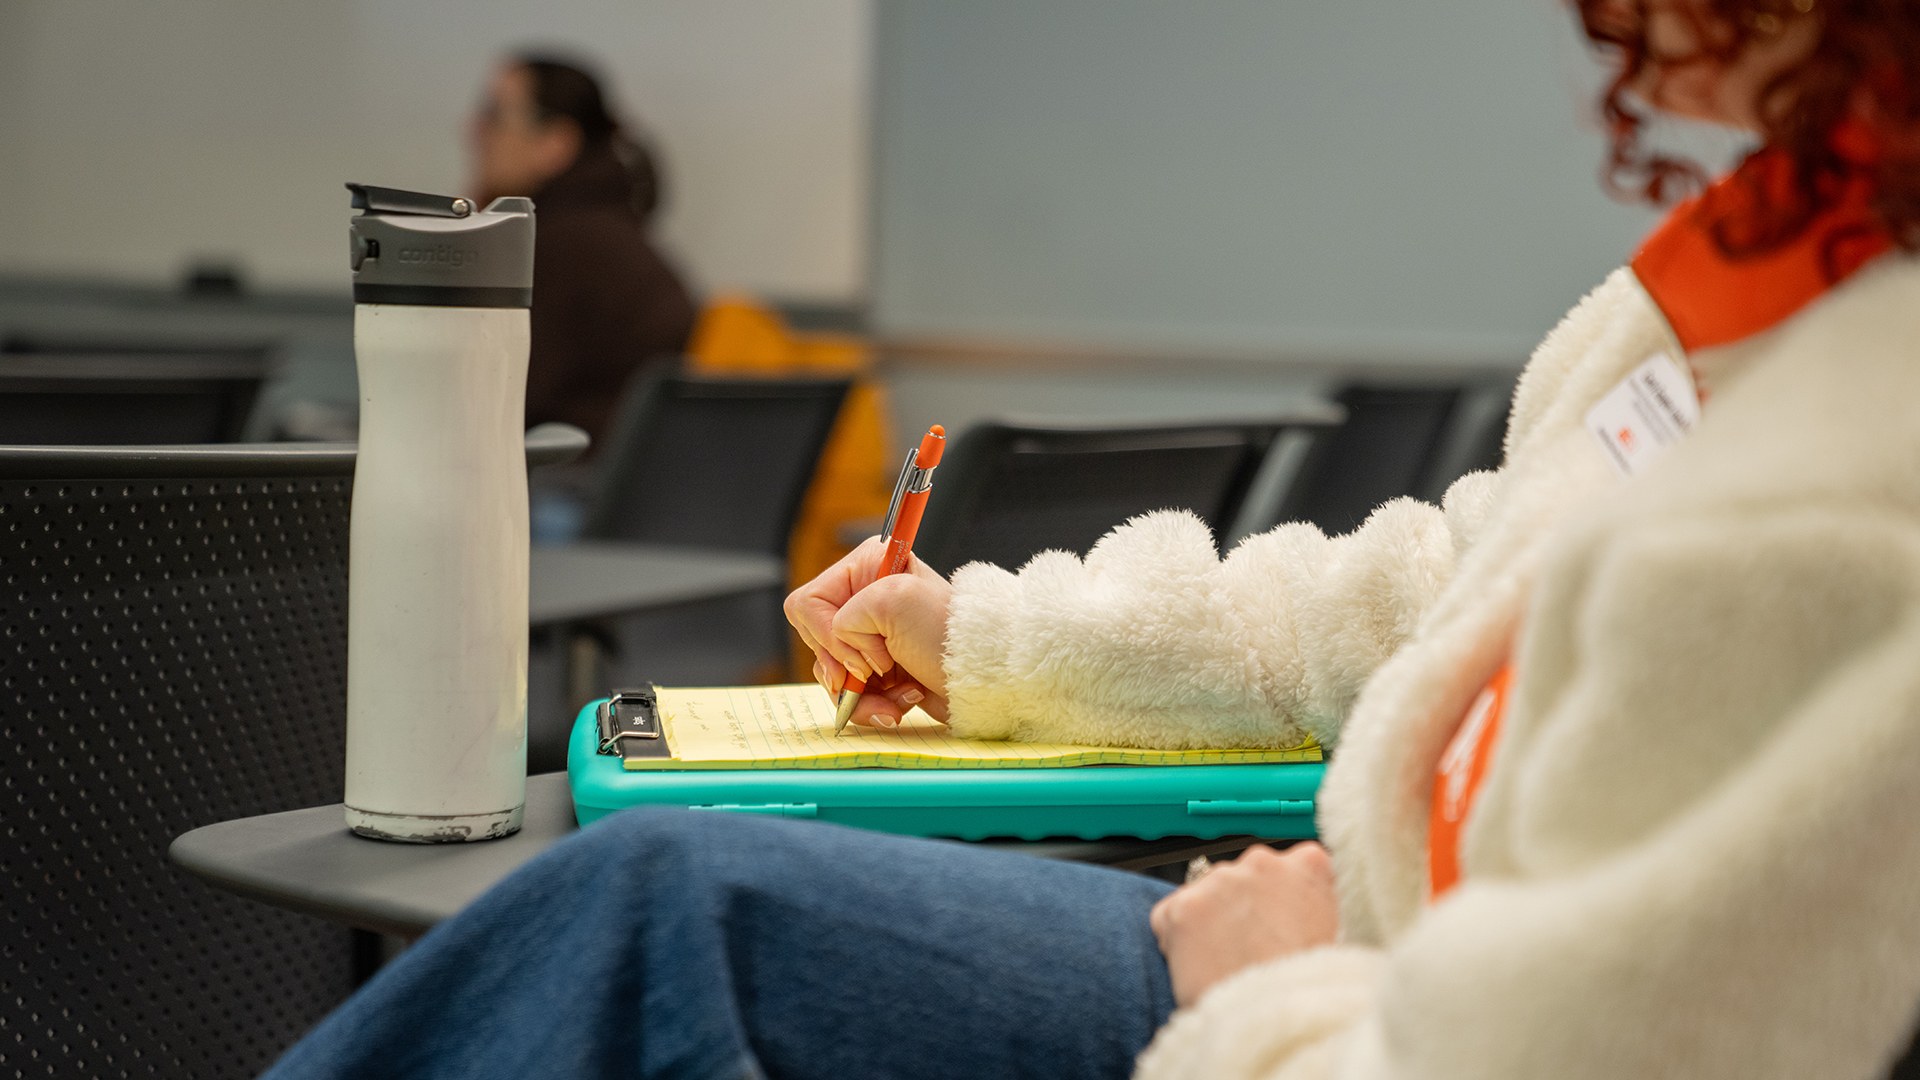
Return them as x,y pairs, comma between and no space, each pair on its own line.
631,713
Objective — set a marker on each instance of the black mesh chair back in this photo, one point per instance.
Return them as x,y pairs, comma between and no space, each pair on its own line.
711,462
173,630
125,399
1007,491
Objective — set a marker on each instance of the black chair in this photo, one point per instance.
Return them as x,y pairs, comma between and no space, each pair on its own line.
1397,440
711,462
127,399
172,654
692,461
1007,491
1475,437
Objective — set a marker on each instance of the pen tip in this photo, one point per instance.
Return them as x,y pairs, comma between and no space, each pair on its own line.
843,709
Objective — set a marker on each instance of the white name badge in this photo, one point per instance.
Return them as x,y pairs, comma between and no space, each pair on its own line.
1642,418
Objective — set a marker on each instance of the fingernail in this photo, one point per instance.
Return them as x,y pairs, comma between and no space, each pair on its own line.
911,696
881,720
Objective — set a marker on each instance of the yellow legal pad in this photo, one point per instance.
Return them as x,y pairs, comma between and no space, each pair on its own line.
791,727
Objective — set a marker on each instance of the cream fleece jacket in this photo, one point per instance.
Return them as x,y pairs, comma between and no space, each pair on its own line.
1697,853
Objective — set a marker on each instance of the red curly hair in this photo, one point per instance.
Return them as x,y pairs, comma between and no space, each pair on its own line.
1862,72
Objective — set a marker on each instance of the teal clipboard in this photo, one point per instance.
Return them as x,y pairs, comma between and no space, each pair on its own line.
1273,800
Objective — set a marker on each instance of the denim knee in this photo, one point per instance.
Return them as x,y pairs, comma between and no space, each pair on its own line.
656,839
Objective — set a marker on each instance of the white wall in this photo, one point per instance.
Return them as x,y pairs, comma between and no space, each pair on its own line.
135,135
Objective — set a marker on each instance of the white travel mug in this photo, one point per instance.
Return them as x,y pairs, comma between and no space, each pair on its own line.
437,592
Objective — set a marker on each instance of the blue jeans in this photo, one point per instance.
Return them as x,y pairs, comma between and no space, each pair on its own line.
675,943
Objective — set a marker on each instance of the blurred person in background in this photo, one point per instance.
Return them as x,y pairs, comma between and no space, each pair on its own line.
605,303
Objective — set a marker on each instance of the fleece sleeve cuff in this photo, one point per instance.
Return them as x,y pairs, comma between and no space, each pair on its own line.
1285,1019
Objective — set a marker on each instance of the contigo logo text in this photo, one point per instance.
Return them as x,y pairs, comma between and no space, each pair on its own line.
439,255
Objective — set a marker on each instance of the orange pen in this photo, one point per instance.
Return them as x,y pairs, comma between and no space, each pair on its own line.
903,522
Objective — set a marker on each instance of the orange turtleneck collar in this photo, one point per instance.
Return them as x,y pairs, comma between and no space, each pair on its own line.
1710,298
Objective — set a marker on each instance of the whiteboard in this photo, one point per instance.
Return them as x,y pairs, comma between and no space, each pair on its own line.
1366,178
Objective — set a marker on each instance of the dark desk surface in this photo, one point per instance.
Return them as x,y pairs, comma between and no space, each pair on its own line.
307,861
596,579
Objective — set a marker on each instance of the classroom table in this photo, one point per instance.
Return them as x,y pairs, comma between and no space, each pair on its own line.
307,861
599,579
583,583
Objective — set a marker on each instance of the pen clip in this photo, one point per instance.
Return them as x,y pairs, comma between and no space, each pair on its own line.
899,496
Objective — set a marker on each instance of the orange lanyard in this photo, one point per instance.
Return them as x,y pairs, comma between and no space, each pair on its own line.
1457,780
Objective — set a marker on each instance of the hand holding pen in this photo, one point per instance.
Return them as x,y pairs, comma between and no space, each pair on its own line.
876,620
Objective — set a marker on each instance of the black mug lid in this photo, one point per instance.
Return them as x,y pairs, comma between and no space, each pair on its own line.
410,247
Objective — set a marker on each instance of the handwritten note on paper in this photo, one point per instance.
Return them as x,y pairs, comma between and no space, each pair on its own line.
791,727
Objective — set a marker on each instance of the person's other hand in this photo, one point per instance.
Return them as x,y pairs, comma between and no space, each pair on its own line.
891,632
1261,906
